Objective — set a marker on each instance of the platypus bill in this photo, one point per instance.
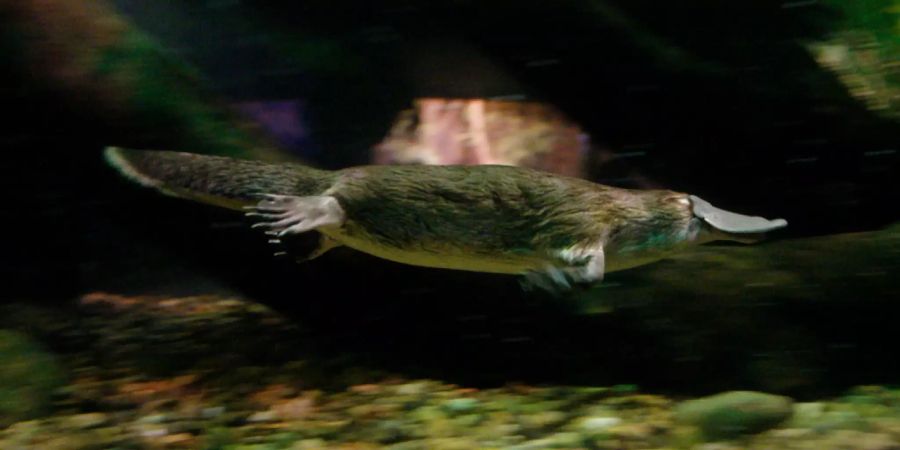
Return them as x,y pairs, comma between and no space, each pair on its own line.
500,219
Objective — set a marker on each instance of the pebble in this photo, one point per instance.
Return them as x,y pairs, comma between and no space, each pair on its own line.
858,440
593,425
309,444
153,418
731,414
632,431
212,412
87,420
469,420
29,375
263,416
565,440
809,410
411,388
460,405
544,419
153,432
792,433
718,446
425,415
185,440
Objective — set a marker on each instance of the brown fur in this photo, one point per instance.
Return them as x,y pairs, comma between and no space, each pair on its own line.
498,213
497,209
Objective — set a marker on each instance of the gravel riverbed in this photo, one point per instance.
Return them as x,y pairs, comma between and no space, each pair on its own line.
209,372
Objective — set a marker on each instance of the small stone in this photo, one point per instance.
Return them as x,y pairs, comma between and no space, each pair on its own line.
309,444
263,416
409,445
390,432
365,388
29,375
87,420
544,420
564,440
718,446
858,440
838,420
460,405
808,414
537,444
809,409
182,440
558,440
411,388
887,425
212,412
153,418
791,433
452,443
426,414
25,427
597,424
152,432
731,414
295,408
469,420
632,431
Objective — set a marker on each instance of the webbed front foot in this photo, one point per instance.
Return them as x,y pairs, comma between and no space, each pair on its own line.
576,266
557,280
281,215
552,280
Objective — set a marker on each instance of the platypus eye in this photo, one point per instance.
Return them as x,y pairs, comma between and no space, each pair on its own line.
677,199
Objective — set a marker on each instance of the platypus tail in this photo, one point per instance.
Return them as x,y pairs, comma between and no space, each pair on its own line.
217,180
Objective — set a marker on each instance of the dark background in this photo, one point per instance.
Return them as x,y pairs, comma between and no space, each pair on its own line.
713,98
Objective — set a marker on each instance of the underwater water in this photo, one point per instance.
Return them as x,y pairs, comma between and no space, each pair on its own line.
137,320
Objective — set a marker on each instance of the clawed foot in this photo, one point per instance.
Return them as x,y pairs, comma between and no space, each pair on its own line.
555,281
578,267
282,215
552,279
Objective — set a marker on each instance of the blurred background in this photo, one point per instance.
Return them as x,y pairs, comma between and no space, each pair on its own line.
774,108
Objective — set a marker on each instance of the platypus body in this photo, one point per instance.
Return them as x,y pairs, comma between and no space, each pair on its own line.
500,219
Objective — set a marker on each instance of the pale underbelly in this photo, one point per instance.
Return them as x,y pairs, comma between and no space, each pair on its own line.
449,258
458,259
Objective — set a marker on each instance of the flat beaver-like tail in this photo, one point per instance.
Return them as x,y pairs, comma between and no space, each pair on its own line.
217,180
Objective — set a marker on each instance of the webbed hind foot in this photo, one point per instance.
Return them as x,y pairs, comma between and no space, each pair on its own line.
282,215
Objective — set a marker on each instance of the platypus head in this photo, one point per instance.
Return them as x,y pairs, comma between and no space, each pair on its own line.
667,219
714,224
656,222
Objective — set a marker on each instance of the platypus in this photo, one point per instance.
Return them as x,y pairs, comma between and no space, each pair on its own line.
489,218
